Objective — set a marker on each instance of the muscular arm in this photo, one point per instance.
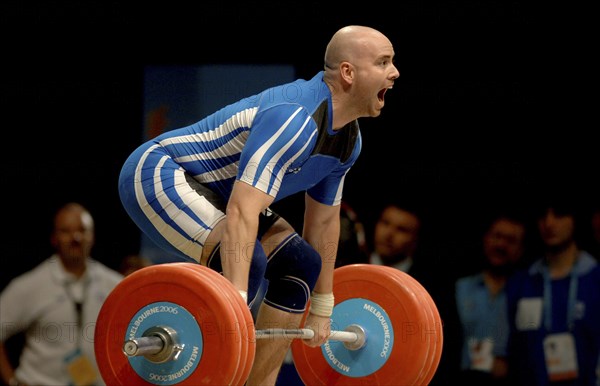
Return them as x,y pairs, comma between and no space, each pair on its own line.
241,227
322,231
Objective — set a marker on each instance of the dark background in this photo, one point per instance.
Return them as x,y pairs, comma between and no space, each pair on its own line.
492,108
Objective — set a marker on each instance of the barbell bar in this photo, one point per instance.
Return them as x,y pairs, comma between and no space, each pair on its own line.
160,343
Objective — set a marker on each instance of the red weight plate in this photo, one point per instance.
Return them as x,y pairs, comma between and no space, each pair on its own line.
436,339
405,312
167,283
428,333
246,323
247,329
432,333
423,329
437,354
222,284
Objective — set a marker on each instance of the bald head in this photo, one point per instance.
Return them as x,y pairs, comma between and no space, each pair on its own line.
352,42
73,210
73,237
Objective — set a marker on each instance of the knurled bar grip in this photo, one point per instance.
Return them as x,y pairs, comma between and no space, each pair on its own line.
305,333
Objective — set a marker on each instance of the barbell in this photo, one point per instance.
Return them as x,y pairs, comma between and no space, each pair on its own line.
183,323
161,341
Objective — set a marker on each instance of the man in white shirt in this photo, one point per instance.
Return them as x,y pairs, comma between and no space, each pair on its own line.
55,306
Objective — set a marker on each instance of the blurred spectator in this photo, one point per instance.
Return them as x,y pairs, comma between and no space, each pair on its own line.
396,239
132,263
481,303
554,306
56,305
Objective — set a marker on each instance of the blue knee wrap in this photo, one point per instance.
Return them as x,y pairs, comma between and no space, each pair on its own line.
292,270
257,268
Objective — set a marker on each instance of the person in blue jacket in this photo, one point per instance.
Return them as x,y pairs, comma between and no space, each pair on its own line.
554,307
481,302
204,191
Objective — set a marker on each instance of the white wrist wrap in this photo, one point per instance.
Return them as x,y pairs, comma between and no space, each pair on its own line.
321,304
244,295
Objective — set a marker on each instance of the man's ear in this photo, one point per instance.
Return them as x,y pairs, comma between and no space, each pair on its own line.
347,72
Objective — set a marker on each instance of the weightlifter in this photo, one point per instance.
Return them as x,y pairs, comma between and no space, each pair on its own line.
204,191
